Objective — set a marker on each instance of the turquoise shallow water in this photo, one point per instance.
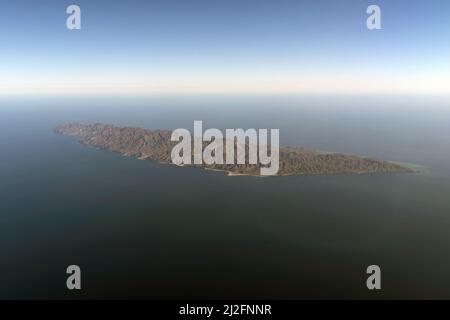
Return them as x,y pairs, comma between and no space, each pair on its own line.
143,230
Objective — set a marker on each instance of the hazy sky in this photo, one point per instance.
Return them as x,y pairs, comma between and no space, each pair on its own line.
319,46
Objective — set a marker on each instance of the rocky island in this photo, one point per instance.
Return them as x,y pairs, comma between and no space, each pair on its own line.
157,146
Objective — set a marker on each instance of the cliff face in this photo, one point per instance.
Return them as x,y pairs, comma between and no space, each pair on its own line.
156,146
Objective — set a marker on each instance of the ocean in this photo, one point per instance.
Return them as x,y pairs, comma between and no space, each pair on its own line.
143,230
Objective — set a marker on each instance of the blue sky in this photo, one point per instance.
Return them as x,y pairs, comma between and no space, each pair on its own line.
136,46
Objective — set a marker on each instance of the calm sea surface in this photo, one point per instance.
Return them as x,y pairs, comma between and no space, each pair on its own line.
143,230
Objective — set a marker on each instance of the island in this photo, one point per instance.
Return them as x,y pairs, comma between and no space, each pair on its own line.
157,146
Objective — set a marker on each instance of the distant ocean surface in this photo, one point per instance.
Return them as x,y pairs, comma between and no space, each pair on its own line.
143,230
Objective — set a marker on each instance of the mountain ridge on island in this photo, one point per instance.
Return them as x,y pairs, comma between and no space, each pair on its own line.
157,145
